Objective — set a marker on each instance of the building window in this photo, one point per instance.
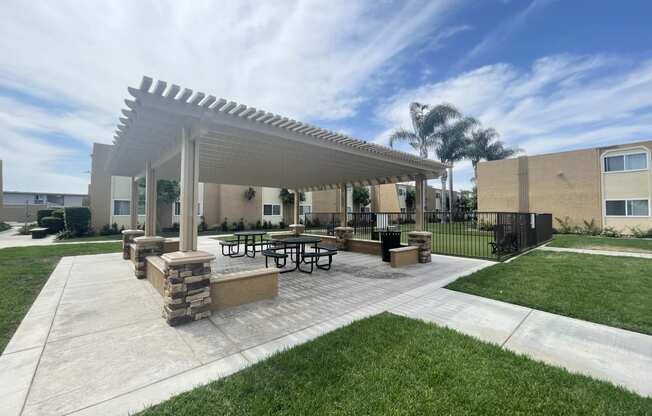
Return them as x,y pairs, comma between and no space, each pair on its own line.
177,208
627,208
271,209
121,207
305,209
634,161
402,210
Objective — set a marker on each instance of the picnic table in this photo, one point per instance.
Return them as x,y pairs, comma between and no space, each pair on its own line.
250,244
295,249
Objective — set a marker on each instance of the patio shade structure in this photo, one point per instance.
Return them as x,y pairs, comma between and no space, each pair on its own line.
169,132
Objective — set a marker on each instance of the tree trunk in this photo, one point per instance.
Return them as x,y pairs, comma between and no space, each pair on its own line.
450,188
443,196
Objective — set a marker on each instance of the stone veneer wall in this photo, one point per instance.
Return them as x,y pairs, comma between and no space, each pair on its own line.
141,249
342,237
422,240
187,291
127,240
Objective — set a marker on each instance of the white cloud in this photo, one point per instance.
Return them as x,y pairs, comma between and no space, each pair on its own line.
305,59
561,102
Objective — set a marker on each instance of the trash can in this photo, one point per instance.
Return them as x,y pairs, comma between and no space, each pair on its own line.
388,241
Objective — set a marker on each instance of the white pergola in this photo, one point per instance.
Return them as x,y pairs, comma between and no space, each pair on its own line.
172,133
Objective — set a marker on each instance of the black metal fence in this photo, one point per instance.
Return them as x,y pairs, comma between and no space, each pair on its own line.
490,235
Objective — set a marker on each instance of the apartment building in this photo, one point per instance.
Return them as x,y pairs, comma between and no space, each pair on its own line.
611,185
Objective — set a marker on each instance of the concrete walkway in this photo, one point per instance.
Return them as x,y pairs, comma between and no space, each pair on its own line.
598,252
94,341
11,238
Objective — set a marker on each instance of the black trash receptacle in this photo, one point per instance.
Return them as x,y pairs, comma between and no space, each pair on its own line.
388,241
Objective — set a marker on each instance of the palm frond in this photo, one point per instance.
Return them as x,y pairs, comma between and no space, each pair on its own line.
402,135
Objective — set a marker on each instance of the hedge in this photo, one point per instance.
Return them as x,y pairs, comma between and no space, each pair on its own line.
77,220
43,213
53,224
57,213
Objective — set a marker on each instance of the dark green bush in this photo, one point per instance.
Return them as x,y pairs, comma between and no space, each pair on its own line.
77,220
53,224
43,213
58,213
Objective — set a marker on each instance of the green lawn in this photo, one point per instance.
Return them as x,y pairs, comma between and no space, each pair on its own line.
389,365
24,271
615,291
636,245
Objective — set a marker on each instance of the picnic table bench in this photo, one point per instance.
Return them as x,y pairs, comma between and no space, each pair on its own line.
39,232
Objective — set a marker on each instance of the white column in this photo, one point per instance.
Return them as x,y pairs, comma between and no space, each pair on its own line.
133,220
295,217
343,205
189,191
150,200
420,185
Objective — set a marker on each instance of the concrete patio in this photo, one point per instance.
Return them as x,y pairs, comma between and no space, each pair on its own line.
94,342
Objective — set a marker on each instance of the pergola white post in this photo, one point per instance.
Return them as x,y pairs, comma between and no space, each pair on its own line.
343,205
295,217
150,200
133,212
189,191
420,200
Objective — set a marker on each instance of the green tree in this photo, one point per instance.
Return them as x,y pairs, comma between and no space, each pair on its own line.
360,197
484,145
410,197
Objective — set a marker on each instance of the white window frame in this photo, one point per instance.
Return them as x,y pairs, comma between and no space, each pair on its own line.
280,210
624,153
626,208
113,214
302,209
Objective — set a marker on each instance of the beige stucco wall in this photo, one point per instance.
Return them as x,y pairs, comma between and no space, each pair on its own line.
628,185
211,204
565,184
325,201
100,188
234,205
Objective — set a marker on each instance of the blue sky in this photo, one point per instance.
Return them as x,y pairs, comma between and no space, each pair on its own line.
548,75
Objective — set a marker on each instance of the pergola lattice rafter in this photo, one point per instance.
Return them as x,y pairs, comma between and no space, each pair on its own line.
243,145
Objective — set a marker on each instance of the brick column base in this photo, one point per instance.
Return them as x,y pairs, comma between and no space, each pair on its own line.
128,239
187,295
142,248
297,229
422,240
342,237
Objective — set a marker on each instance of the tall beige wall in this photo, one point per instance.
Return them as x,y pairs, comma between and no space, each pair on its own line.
565,184
234,205
211,204
325,201
100,187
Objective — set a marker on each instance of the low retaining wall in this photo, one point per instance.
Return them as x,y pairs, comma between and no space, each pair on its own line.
404,256
226,291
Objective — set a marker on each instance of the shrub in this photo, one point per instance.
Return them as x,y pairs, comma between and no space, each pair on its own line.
77,220
282,224
591,228
638,232
241,225
611,232
259,225
53,224
43,213
4,226
58,213
566,226
225,225
202,226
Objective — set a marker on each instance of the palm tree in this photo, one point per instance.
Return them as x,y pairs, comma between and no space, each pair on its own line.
485,146
427,126
451,146
426,121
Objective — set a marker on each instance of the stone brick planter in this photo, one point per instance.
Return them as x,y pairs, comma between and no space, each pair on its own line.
141,249
127,240
342,237
187,286
422,240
